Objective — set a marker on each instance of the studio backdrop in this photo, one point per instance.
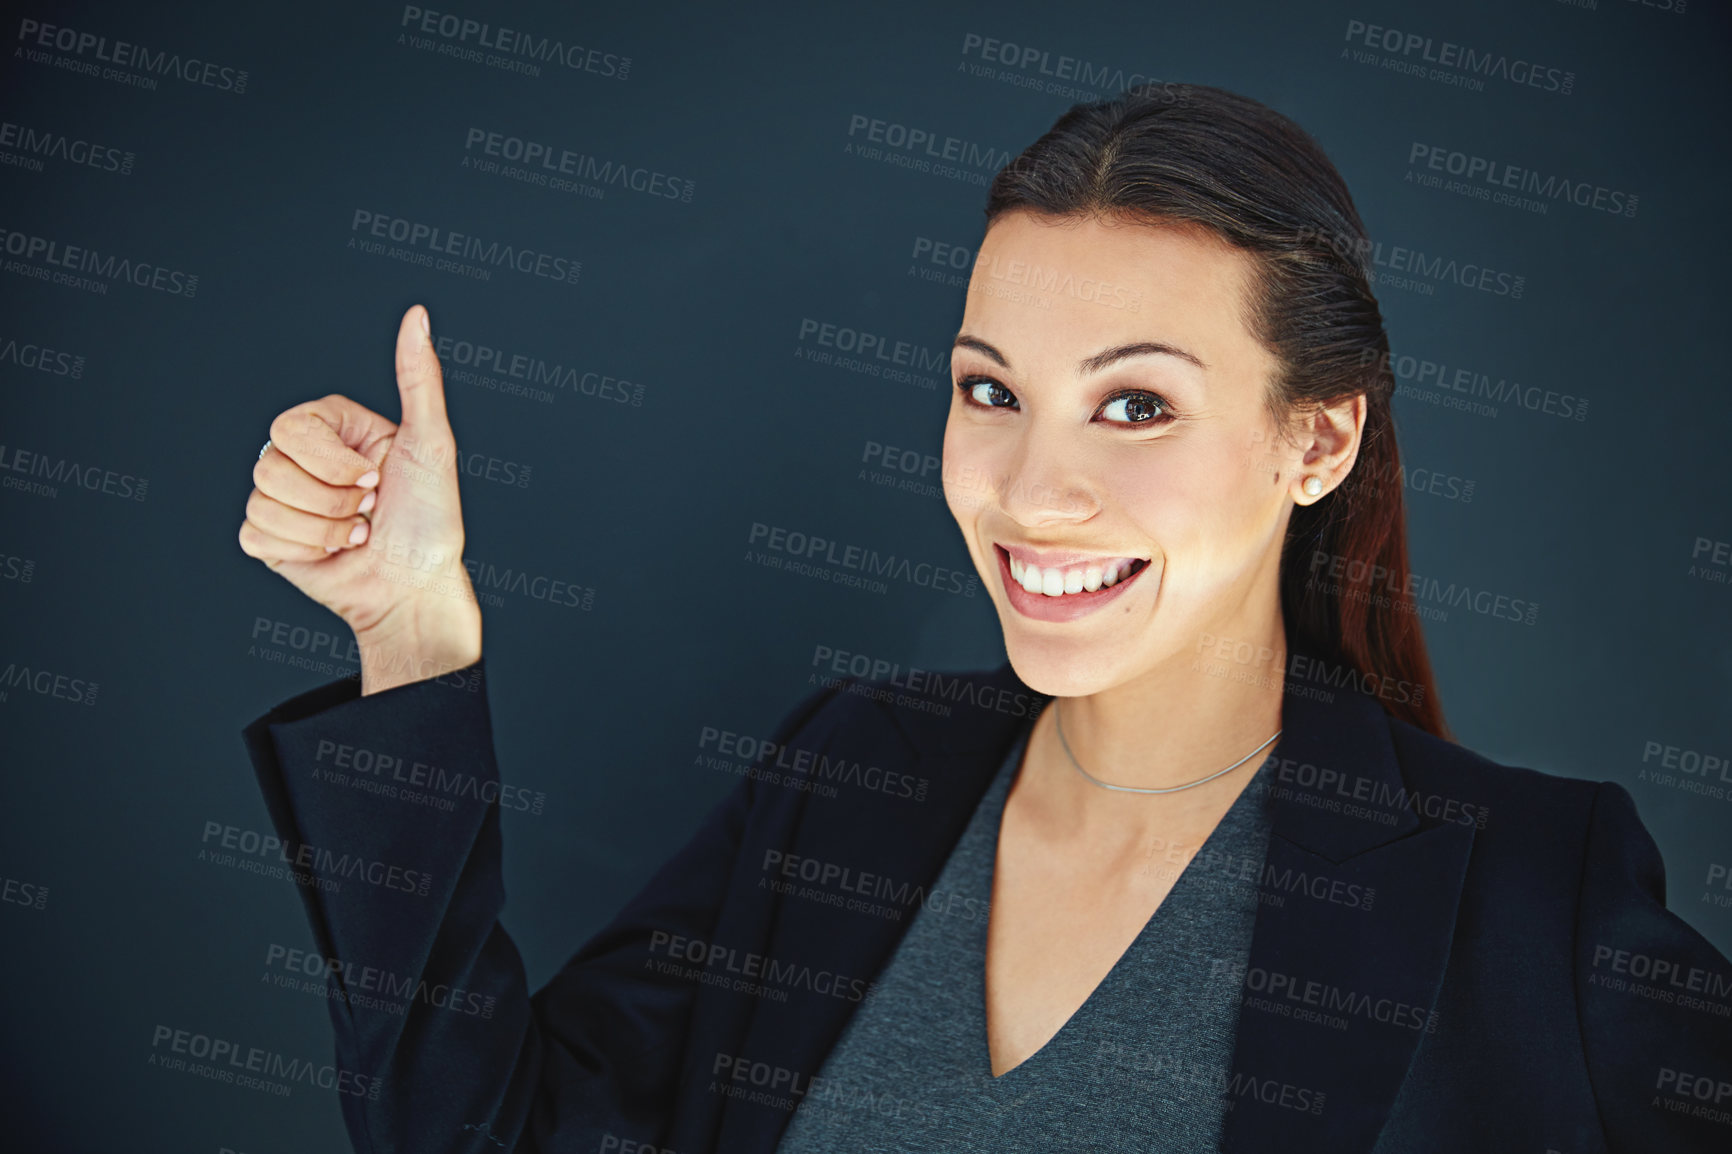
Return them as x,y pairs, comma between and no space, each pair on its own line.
694,272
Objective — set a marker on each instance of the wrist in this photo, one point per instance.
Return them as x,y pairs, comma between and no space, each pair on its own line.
418,648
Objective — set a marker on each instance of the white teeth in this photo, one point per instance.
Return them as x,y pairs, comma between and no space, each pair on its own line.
1058,582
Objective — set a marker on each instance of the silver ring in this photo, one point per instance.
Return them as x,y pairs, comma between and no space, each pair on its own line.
264,448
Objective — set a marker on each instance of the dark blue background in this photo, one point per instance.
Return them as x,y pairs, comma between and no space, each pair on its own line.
701,304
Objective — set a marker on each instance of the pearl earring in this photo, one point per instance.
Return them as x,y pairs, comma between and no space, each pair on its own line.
1313,486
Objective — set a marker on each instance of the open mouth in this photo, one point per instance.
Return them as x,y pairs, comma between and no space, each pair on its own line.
1082,580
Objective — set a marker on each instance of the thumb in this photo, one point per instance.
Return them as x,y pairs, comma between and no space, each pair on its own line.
420,383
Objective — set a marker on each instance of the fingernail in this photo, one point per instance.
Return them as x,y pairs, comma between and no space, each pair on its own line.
368,479
426,324
368,501
332,548
358,534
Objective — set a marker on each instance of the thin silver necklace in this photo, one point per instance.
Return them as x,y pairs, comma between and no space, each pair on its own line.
1058,715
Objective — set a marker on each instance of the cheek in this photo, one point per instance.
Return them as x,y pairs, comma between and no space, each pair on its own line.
1183,492
967,471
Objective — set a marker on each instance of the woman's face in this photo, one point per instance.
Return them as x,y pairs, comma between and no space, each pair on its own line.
1108,426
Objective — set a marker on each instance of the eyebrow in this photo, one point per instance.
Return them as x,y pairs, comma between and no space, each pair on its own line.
1093,364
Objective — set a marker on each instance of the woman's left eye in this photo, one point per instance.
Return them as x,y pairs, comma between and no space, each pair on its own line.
1135,409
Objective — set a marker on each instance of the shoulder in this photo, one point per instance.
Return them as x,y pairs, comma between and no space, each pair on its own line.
1540,817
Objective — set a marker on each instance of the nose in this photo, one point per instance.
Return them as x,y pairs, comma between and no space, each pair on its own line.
1047,479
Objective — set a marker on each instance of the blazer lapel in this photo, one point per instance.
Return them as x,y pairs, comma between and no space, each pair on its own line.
893,845
1353,932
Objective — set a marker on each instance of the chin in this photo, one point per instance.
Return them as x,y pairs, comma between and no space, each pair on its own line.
1059,667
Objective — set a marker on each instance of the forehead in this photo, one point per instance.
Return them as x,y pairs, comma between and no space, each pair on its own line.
1063,283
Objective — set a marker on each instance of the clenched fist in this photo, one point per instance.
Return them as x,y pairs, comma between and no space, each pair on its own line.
361,514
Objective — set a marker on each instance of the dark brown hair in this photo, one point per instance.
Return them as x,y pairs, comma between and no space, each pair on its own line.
1191,154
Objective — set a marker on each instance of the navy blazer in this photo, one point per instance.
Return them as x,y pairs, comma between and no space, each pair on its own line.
1449,954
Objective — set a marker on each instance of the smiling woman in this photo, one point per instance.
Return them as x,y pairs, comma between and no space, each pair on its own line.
1232,887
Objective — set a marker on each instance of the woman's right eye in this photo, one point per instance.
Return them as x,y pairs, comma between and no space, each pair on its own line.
982,391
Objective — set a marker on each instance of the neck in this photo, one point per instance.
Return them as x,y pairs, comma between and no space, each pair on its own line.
1185,719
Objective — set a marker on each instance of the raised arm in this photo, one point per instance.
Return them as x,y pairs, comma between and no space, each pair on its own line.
464,1057
386,799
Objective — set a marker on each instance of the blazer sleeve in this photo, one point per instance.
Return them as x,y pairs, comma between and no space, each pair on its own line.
1653,996
446,1048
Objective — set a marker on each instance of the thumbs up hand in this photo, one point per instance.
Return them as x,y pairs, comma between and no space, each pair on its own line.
362,514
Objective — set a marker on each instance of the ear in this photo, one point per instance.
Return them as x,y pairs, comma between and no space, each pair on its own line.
1328,439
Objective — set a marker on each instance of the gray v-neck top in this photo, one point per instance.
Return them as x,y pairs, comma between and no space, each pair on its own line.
1142,1065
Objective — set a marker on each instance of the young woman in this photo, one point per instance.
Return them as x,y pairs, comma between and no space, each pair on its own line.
1231,887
